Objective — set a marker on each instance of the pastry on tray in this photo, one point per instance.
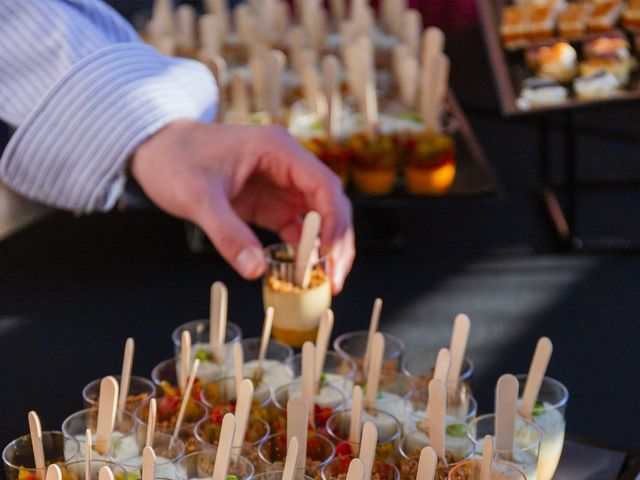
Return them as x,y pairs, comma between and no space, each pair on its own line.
542,22
631,16
572,22
605,15
610,54
599,85
557,62
540,92
514,26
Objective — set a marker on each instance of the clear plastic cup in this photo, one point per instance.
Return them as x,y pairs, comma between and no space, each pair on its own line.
140,390
165,373
338,371
275,475
77,469
208,434
221,396
297,311
123,438
549,415
499,471
209,369
353,345
18,459
393,396
167,451
166,420
388,426
199,465
456,419
274,371
273,451
339,466
458,449
327,400
526,444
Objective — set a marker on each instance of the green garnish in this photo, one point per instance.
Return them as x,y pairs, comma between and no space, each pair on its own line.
117,444
414,117
232,477
202,355
378,395
323,379
538,408
126,476
457,430
317,125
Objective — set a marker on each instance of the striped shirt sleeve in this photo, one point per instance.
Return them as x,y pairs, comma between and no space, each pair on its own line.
83,93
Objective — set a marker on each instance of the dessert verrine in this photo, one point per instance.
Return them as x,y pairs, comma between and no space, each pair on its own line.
338,467
337,371
539,92
208,433
220,397
394,391
273,451
140,390
18,458
549,415
167,449
122,439
76,470
209,369
274,368
471,470
297,310
199,466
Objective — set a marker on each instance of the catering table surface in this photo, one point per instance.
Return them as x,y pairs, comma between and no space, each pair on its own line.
584,461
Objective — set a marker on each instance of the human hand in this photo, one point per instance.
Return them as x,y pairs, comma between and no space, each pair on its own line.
222,176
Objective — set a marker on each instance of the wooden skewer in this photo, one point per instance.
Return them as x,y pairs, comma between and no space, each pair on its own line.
487,458
442,365
374,324
330,74
338,11
427,464
315,99
244,400
355,425
186,396
308,379
297,415
125,377
238,364
264,341
537,371
185,28
239,99
151,422
373,377
310,231
35,432
274,74
368,448
457,349
54,472
148,464
356,470
185,359
218,320
506,399
87,454
412,29
105,473
223,453
209,27
291,460
322,343
107,404
437,410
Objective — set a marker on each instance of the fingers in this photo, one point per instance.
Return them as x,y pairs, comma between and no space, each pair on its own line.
231,236
342,256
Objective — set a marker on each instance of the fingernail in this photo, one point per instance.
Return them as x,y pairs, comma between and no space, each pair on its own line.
250,262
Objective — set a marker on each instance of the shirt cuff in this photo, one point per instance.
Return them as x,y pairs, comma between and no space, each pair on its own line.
72,150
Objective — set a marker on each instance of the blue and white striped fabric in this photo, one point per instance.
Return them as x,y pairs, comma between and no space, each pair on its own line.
83,93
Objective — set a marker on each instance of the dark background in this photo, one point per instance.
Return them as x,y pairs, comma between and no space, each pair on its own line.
72,289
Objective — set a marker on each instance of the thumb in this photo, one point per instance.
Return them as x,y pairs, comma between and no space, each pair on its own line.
233,238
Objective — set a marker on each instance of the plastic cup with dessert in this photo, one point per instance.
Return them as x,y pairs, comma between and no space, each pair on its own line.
471,470
457,418
275,475
165,373
209,369
338,371
223,392
549,415
168,409
458,449
200,465
272,451
122,439
393,395
77,469
338,467
327,400
526,442
18,459
140,390
422,373
388,427
167,449
208,429
274,371
297,310
352,345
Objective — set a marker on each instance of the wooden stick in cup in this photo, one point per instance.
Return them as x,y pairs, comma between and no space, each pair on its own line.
412,29
239,98
338,11
185,359
53,472
151,422
427,464
308,378
373,376
186,395
443,65
322,343
356,470
244,400
330,74
238,363
105,473
315,98
437,411
443,361
374,324
218,320
297,414
186,28
487,458
537,370
264,341
291,460
148,464
107,404
87,453
223,453
457,349
506,399
310,232
432,46
409,81
35,431
355,425
125,377
368,448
